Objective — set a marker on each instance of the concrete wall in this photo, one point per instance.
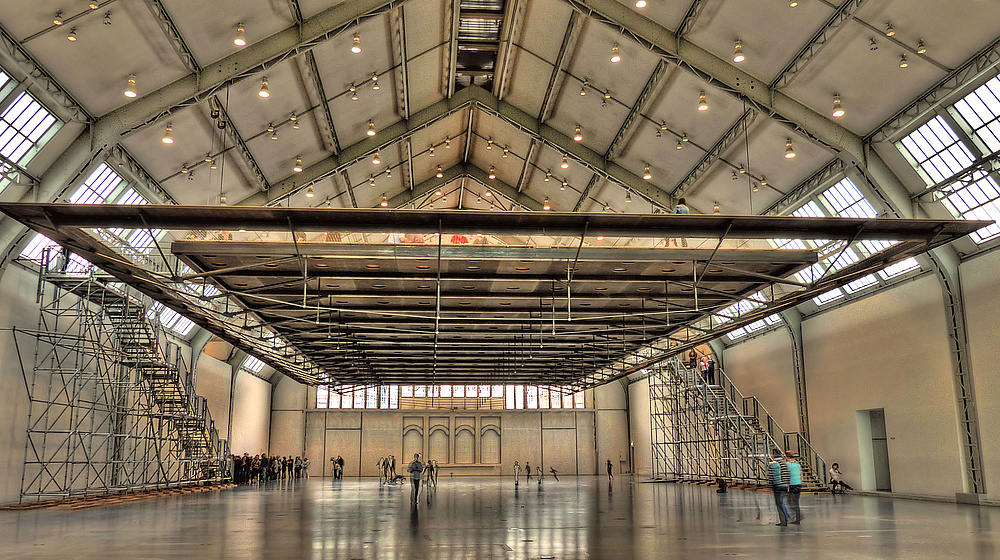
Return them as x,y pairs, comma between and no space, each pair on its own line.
641,427
251,422
474,442
981,286
612,426
17,290
763,368
213,380
288,418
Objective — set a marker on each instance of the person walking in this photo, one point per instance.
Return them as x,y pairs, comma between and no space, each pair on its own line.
794,485
416,470
555,475
611,472
780,478
430,471
836,480
392,466
527,470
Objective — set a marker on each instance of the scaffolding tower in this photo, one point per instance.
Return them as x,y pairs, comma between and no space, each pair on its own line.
702,432
112,406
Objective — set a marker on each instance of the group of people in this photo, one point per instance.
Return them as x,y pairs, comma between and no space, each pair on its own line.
705,365
420,471
527,470
386,469
338,467
786,478
263,468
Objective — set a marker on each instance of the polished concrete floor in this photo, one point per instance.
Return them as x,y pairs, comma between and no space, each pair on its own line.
485,518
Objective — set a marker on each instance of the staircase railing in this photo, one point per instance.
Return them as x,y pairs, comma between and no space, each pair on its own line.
748,422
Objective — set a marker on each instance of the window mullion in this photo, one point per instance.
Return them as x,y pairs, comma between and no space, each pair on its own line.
964,132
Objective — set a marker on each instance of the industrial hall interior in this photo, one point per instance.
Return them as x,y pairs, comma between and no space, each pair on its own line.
513,279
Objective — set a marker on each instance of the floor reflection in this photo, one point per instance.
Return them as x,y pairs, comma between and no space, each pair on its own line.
477,518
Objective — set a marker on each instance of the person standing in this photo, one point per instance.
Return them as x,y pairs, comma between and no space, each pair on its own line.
305,467
392,466
436,470
416,469
517,473
527,470
430,470
780,479
794,485
836,480
710,371
611,471
298,466
681,208
538,471
692,359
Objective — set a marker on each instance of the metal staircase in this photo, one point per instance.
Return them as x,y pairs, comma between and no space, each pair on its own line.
112,403
702,432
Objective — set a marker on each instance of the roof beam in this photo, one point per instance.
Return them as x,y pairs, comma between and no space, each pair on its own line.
451,53
239,143
459,171
12,51
724,75
586,192
735,133
590,159
630,125
349,155
397,29
844,13
317,97
697,7
512,19
983,64
197,86
555,80
166,24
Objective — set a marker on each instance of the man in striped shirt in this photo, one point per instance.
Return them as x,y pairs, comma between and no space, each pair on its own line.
780,479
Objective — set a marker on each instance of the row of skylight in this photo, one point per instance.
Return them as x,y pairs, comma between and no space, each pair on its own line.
951,143
25,127
387,397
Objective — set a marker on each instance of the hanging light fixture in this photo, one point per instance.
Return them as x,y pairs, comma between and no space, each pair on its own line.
735,176
755,188
565,162
640,4
130,91
72,35
376,159
375,85
546,205
902,61
93,5
479,200
184,169
222,199
356,45
298,164
763,180
563,186
440,173
493,173
371,180
439,192
385,201
838,109
680,145
388,173
583,88
548,176
168,135
264,93
273,131
489,144
578,135
789,151
921,47
488,193
371,128
742,170
684,137
310,193
354,92
505,153
702,101
616,57
447,143
646,174
628,197
241,36
58,19
738,56
793,3
889,30
715,209
658,133
214,164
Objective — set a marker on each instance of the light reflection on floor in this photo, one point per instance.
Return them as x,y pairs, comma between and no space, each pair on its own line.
485,518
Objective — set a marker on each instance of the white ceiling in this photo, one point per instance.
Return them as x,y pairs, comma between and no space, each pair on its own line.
872,86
